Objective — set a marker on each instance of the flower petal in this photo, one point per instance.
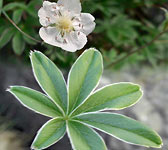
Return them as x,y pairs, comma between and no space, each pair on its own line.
49,35
46,3
49,5
43,17
70,42
71,5
88,23
74,41
48,13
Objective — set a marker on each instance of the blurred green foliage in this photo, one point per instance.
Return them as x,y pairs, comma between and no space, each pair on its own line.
122,26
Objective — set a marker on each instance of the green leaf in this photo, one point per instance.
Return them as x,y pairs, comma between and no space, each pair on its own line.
35,101
2,28
1,5
50,133
18,44
115,97
6,37
123,128
14,5
84,76
17,15
30,31
29,41
84,138
50,79
31,8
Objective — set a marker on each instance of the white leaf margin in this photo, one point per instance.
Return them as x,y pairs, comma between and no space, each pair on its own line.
38,132
140,89
102,67
39,82
8,90
69,136
91,126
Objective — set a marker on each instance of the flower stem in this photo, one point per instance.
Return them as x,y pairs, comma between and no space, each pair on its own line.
25,34
137,50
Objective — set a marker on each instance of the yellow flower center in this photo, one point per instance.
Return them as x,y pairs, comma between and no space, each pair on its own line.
65,24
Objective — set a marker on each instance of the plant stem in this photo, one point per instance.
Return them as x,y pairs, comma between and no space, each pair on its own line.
137,50
11,21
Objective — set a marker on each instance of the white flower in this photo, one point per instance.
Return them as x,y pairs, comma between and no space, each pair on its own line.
64,25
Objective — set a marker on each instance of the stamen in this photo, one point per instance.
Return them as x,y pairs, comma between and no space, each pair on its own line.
62,33
65,41
55,14
59,13
72,18
48,19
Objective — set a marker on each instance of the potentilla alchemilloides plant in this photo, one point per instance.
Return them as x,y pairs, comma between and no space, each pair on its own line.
76,107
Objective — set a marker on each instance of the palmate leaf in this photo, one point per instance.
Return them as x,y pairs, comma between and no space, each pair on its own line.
35,101
84,77
50,133
84,138
115,97
50,79
123,128
76,115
